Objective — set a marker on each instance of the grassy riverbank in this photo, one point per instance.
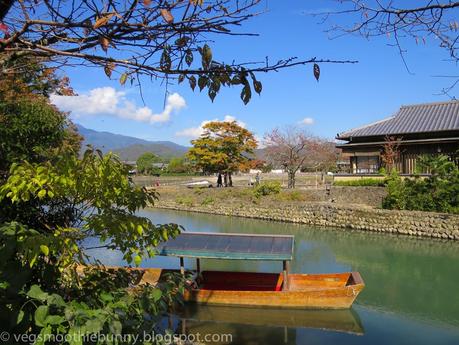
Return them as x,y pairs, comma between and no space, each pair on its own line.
313,207
242,196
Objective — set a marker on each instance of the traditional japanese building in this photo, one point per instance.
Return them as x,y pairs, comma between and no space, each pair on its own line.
419,129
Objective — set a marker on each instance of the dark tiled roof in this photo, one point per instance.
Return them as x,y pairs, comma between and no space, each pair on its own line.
418,118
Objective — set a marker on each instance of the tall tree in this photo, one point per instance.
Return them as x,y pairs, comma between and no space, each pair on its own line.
128,39
28,75
223,148
178,165
51,203
31,128
289,148
145,162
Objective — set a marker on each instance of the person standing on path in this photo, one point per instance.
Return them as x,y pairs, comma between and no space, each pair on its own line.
219,180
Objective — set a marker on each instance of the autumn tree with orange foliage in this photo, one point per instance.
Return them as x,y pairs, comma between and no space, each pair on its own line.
224,147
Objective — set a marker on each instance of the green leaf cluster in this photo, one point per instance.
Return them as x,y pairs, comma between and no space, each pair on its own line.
33,130
438,192
51,210
145,163
213,75
179,165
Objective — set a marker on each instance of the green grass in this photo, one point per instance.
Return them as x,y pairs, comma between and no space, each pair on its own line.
290,196
208,200
364,182
185,200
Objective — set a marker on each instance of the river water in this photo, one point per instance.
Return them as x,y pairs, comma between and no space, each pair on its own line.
411,294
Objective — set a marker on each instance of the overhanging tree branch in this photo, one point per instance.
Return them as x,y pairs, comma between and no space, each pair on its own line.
160,40
435,22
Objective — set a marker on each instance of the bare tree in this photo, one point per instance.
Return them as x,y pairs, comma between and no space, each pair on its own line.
423,22
165,40
391,152
322,157
289,148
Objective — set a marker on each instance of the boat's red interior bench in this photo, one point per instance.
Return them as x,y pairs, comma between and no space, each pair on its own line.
240,281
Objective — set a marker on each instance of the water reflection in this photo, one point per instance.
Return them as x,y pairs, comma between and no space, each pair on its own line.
346,321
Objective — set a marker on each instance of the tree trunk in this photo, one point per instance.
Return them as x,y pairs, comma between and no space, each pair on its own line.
225,179
230,180
291,178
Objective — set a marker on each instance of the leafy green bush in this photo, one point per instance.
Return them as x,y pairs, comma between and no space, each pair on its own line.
267,188
363,182
396,193
439,192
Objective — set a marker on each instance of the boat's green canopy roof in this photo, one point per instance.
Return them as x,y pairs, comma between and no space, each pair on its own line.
229,246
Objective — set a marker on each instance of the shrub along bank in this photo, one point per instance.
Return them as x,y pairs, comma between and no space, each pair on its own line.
438,192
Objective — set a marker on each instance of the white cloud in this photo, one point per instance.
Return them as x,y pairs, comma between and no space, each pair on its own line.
195,132
108,101
261,142
307,121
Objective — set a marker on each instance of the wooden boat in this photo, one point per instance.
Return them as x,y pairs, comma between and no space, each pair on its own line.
275,290
305,291
278,290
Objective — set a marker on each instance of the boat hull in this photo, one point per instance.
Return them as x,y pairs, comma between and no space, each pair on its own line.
305,291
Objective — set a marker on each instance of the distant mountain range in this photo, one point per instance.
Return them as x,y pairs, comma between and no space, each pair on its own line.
129,148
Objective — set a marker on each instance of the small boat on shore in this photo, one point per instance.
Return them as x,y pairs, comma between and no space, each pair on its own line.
199,184
277,290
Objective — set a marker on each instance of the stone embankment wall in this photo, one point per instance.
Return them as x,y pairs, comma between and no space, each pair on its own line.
371,196
415,223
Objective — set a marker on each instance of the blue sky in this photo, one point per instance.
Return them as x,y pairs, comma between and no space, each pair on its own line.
347,96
